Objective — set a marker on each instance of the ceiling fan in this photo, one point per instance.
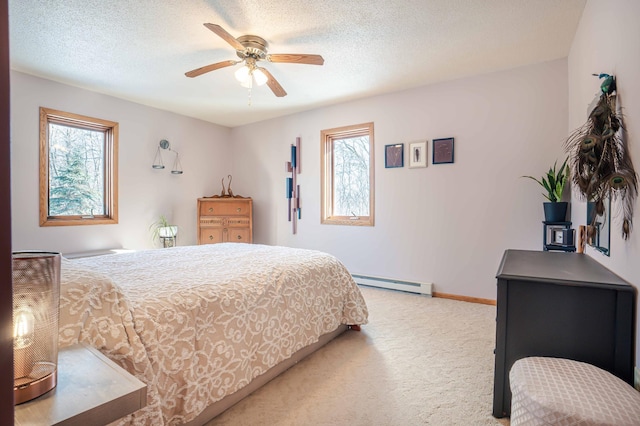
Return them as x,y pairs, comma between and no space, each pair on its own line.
252,49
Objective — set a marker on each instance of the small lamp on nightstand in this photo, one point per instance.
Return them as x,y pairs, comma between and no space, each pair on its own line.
36,303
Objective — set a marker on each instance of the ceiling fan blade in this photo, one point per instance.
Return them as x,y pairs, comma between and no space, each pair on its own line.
222,33
207,68
296,59
273,84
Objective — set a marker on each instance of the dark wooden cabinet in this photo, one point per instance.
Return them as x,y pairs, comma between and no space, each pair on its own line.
563,305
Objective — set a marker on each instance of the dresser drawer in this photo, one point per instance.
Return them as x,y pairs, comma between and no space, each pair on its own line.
210,236
230,208
224,235
240,235
224,222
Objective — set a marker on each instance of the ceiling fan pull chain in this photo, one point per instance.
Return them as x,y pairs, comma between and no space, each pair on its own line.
249,103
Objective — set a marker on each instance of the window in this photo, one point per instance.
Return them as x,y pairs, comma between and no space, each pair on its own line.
347,175
78,169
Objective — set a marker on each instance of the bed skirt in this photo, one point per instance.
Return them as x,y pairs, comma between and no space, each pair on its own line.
228,401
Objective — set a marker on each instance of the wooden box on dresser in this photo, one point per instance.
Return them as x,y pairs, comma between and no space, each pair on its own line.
225,220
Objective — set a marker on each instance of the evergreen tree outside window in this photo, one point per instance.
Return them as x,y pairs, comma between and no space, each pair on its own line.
347,175
78,169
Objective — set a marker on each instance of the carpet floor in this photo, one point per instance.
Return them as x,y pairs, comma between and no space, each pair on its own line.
419,361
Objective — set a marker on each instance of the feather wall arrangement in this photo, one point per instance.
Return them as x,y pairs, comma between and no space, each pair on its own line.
599,157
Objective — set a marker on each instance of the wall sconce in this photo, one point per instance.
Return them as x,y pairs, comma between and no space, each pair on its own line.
36,301
157,161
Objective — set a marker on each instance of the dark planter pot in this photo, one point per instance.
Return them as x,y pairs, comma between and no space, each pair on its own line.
555,212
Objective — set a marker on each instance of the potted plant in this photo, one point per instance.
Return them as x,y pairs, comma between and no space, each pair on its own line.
164,231
553,182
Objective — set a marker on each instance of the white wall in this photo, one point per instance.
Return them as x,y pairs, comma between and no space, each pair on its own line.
447,224
607,41
144,193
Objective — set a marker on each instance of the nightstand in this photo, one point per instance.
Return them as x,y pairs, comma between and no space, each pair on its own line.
91,390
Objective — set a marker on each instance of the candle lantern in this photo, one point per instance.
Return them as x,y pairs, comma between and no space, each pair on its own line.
36,303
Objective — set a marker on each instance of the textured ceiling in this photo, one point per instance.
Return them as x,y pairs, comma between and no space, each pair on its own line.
139,50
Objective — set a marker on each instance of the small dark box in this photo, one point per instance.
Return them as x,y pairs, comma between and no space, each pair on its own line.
563,237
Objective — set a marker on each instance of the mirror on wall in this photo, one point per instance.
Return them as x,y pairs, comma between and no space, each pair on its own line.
599,225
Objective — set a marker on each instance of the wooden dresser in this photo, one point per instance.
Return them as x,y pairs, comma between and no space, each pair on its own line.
225,219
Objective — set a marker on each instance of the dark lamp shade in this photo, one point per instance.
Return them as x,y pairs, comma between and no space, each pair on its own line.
36,306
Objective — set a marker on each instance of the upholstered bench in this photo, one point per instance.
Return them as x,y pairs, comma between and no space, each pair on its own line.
555,391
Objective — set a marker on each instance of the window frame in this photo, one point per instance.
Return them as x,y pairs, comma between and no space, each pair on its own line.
110,130
327,174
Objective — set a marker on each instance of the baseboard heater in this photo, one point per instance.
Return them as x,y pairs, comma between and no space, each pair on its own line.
394,284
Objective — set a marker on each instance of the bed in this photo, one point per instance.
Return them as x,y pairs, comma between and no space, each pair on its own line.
204,325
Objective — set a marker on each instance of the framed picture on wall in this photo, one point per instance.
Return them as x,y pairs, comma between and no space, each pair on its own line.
394,155
418,154
442,151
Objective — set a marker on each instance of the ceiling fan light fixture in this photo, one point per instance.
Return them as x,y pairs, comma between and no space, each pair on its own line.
251,49
259,76
247,83
243,74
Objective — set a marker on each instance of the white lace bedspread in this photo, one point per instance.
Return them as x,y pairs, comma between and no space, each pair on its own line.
197,323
